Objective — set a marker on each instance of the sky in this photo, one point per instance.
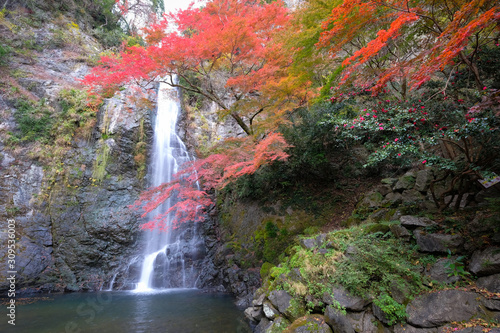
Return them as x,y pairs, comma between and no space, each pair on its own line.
172,5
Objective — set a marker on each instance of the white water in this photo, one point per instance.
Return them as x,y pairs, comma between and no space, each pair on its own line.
164,264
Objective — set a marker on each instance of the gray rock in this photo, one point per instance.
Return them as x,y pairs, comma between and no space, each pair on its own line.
365,322
263,325
389,181
442,307
270,311
423,180
254,313
439,272
410,196
260,298
492,304
345,299
278,324
383,189
308,243
310,323
412,222
399,231
393,199
490,283
439,243
485,262
410,329
337,320
280,299
379,314
372,200
405,182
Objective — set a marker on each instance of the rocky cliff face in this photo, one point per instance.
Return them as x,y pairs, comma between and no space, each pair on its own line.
68,185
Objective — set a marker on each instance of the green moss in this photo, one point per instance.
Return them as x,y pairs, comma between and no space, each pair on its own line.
101,161
265,270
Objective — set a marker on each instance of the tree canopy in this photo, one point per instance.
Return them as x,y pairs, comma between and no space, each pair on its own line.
258,62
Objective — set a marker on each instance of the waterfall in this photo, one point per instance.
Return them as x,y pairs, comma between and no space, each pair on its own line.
172,259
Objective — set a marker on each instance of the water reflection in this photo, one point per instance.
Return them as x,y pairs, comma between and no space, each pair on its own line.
172,311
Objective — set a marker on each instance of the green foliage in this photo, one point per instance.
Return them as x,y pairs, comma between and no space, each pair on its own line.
76,116
393,311
4,54
456,266
34,120
364,261
265,269
270,242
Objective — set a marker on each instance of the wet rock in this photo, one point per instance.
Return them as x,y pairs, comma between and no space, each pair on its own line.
486,262
337,320
439,243
442,307
254,313
490,283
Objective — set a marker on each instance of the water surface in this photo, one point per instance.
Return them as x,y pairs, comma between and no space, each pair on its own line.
175,311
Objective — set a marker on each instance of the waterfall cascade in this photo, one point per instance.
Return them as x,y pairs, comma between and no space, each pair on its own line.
172,259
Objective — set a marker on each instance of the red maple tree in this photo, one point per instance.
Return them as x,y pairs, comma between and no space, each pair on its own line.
405,42
226,51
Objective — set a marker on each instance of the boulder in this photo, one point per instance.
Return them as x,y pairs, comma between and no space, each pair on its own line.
413,222
410,329
423,180
365,322
372,200
270,311
439,272
400,232
393,199
338,320
442,307
389,181
345,299
410,196
440,243
310,323
492,304
379,314
490,283
280,299
254,313
405,182
263,326
485,262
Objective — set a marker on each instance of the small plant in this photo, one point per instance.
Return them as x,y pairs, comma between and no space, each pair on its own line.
393,311
455,266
